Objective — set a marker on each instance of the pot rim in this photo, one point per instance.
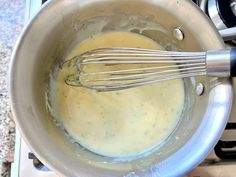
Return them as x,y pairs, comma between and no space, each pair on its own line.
189,161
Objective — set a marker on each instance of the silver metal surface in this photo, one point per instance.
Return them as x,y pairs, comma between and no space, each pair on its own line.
214,14
218,63
121,68
32,7
178,34
203,4
50,143
200,89
124,68
233,6
228,34
210,7
22,165
15,166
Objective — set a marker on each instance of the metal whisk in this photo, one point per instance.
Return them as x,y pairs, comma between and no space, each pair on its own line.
111,69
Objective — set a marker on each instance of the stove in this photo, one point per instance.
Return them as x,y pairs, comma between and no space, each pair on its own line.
221,162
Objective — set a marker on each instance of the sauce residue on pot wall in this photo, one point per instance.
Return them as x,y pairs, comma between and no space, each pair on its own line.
120,123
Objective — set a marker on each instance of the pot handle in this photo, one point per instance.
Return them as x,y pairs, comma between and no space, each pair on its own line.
233,62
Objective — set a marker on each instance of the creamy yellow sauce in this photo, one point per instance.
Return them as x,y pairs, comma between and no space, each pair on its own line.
119,123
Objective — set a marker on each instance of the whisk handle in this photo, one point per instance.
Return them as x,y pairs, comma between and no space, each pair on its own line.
218,63
233,62
221,63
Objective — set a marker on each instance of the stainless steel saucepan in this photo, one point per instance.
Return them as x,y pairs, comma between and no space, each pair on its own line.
60,25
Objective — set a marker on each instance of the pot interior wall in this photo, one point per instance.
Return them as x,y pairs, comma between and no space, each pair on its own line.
56,31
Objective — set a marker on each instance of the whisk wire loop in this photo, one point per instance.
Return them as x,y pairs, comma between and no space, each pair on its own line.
110,69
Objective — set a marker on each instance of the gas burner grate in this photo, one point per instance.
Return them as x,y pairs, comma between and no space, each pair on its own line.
226,149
